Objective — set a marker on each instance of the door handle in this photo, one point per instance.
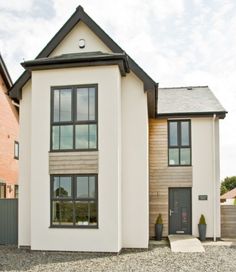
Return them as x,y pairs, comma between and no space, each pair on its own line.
171,212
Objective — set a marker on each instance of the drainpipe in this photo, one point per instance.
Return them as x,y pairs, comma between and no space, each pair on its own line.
214,177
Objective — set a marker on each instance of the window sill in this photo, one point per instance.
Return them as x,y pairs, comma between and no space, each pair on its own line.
72,227
180,165
73,150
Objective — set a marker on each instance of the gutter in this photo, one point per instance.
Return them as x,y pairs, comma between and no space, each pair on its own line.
214,176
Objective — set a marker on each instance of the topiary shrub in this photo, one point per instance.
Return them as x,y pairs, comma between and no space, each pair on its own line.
202,220
159,219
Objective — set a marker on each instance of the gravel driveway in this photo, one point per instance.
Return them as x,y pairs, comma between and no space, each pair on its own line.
157,258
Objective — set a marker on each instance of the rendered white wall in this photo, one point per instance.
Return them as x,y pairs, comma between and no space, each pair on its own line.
202,165
106,237
135,211
24,163
70,43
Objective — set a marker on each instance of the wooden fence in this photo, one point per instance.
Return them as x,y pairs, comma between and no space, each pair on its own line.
228,221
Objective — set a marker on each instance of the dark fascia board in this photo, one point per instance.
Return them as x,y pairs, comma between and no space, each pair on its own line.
219,114
5,74
73,58
78,63
79,14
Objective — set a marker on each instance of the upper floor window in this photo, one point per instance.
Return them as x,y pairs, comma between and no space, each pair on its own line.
179,142
16,150
2,190
74,118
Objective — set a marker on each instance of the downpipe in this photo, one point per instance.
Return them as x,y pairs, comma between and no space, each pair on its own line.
214,176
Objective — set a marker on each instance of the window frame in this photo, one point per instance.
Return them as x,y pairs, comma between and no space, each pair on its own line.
16,191
73,199
4,188
179,146
16,143
74,122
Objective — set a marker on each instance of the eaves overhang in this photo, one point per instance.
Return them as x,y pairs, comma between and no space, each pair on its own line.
219,114
5,74
79,60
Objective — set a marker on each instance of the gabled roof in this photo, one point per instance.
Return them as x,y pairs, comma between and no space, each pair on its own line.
5,74
80,60
229,195
80,15
180,101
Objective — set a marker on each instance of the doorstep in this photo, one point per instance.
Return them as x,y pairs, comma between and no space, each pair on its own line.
185,243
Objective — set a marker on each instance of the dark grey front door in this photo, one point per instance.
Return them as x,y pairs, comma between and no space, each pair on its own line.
180,211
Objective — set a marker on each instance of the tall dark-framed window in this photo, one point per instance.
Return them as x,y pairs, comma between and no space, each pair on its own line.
74,118
74,201
179,143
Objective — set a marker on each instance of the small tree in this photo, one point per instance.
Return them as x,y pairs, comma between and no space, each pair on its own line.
228,184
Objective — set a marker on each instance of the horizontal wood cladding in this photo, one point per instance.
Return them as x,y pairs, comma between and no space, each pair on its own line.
161,177
73,162
228,221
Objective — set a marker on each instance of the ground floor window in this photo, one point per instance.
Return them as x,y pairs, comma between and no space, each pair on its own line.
16,191
74,201
2,190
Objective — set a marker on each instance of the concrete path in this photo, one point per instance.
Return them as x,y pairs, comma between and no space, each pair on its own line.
185,243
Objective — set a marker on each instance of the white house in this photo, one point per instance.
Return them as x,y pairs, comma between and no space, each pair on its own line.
103,151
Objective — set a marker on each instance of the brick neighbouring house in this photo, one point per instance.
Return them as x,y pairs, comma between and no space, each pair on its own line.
9,129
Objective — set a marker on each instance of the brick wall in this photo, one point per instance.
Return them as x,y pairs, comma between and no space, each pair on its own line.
9,129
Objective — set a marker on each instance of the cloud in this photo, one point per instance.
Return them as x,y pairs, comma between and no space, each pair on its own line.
177,42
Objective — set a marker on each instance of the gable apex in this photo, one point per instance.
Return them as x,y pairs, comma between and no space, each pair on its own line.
77,16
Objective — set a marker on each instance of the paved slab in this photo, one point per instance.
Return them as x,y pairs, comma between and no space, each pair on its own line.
185,243
228,242
163,242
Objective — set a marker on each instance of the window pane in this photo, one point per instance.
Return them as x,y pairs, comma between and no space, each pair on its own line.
173,156
82,104
92,136
62,212
184,133
82,187
92,186
56,187
65,105
55,137
185,156
91,103
56,100
16,150
65,187
173,134
93,213
81,213
81,137
66,139
55,212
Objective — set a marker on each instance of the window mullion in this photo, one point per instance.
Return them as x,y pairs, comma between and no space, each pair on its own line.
74,112
179,140
88,104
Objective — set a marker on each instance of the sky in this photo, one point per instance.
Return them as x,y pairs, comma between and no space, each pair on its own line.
177,42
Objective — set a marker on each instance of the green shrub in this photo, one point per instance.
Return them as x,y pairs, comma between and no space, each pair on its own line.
235,201
159,219
202,220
